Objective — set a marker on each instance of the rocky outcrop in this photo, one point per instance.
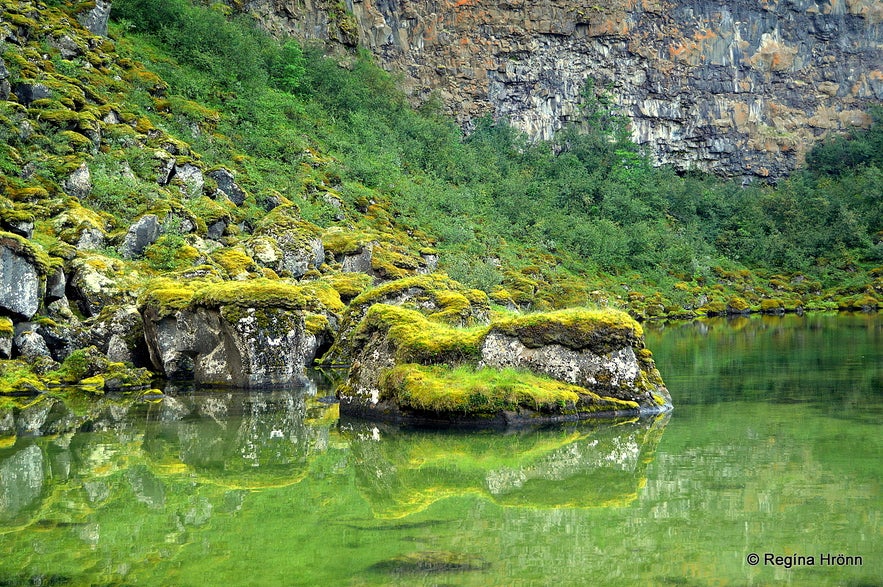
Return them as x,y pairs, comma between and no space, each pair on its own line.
559,366
263,333
737,87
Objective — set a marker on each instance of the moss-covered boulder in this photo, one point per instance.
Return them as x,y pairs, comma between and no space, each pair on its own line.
434,295
251,333
558,366
298,242
601,350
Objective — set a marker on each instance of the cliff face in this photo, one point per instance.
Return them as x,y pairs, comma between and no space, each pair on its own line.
739,87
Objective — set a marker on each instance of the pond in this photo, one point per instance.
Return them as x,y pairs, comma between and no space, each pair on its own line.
773,449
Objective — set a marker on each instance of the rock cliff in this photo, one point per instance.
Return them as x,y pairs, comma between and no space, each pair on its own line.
738,87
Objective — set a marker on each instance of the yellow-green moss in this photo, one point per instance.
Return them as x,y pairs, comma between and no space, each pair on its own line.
737,304
452,299
772,305
574,328
167,296
488,391
6,327
419,339
341,241
349,285
262,293
16,377
316,323
234,261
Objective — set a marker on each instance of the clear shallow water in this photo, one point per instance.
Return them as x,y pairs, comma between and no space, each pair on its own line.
774,447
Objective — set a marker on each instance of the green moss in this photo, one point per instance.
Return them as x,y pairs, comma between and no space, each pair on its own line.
17,377
419,339
263,293
167,296
316,323
488,391
340,241
437,287
7,330
773,305
737,304
349,285
234,261
575,328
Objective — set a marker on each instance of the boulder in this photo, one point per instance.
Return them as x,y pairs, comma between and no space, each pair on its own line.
245,334
436,296
29,345
600,350
78,183
93,285
95,19
56,284
21,283
27,92
298,241
91,239
191,176
227,186
140,235
558,366
7,332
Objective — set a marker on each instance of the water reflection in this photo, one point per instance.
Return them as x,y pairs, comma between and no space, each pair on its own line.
592,464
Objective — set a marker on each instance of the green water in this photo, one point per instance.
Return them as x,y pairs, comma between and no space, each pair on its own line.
774,447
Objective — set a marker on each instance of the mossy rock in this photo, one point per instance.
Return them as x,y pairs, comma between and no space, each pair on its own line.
264,293
487,392
417,339
349,285
18,377
342,241
575,328
737,305
31,251
772,306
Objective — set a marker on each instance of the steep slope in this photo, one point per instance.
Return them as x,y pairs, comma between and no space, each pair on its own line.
740,88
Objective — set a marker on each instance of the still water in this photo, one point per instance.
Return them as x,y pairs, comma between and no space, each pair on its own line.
774,449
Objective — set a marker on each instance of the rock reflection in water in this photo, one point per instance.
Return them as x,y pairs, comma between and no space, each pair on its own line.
238,439
590,464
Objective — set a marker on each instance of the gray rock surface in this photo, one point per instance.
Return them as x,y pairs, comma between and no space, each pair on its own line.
21,288
242,347
95,19
78,183
228,186
141,235
29,345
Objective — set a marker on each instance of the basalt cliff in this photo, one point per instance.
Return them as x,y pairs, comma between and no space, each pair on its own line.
736,87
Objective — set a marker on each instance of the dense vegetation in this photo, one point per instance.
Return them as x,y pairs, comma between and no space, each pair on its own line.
588,203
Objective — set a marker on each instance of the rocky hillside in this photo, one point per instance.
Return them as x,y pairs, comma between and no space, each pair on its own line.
737,87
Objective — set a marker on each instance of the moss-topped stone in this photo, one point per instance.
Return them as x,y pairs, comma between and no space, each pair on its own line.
297,240
557,366
23,266
250,333
433,295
